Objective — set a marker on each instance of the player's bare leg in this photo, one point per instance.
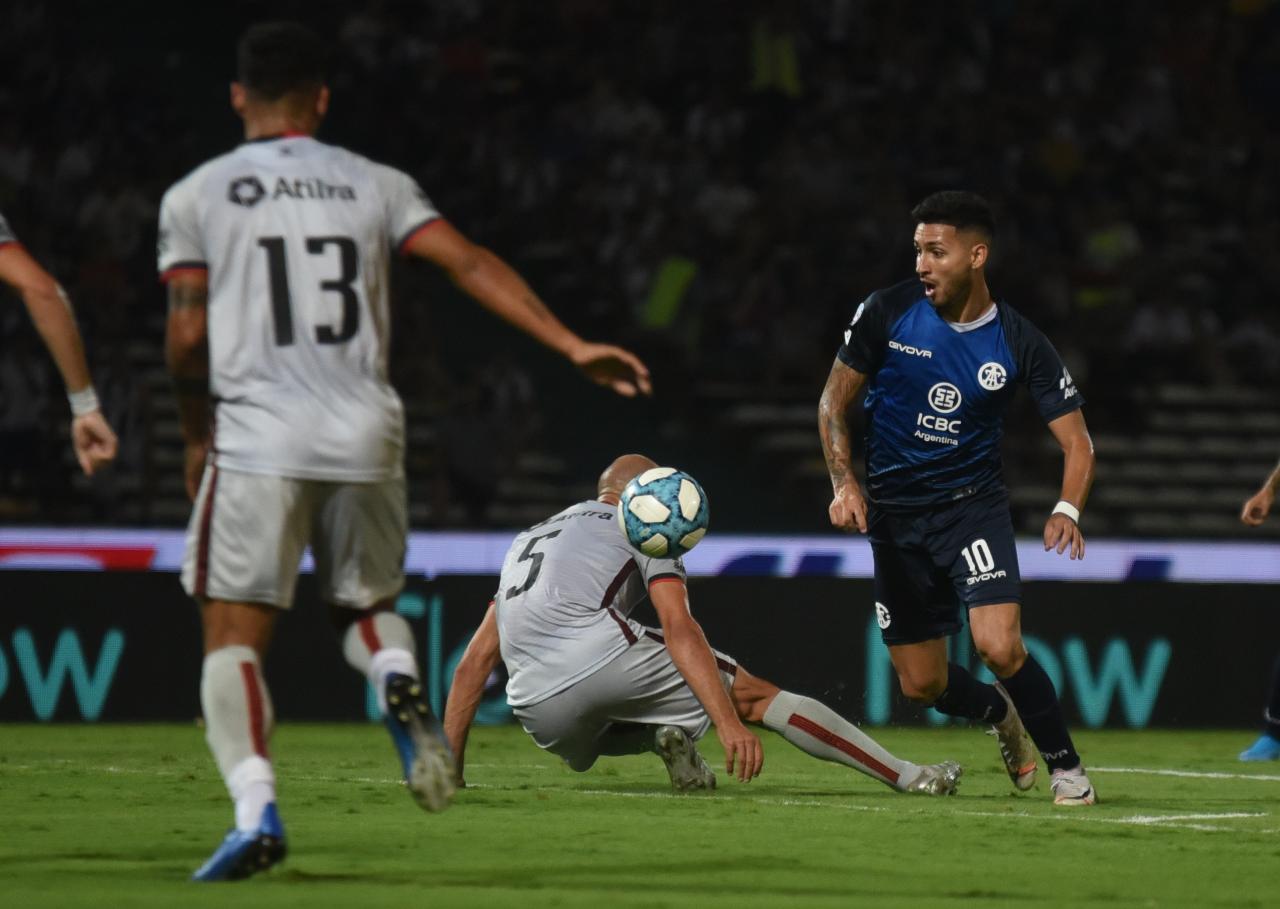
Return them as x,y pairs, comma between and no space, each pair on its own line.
379,643
819,731
927,678
997,635
238,723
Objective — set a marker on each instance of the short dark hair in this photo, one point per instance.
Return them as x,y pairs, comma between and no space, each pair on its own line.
959,208
276,58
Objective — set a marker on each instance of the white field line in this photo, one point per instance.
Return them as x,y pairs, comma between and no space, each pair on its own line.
1191,774
1164,821
1069,815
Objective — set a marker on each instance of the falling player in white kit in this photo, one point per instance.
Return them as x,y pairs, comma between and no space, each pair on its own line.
276,257
587,680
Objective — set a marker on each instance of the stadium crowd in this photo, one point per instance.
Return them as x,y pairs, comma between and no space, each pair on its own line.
718,183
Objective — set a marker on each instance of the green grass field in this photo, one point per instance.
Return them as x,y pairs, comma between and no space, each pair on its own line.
121,815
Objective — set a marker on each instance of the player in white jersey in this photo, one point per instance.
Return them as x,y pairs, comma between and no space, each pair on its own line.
588,680
50,310
276,257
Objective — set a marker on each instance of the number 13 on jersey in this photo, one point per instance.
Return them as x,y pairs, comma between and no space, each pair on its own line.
282,300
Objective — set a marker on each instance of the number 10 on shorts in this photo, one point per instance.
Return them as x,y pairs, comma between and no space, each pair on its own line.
977,555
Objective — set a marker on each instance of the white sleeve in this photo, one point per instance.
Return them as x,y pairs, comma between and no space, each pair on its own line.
6,233
657,569
407,207
178,242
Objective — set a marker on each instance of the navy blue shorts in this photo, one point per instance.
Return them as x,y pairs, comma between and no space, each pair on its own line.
929,562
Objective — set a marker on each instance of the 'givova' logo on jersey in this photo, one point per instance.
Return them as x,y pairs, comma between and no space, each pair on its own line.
992,376
945,398
912,351
246,191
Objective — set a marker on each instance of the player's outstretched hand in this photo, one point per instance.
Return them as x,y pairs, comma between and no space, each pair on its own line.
1061,533
193,466
1255,510
743,749
94,442
848,509
614,367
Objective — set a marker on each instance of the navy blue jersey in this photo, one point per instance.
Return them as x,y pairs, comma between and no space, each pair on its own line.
938,393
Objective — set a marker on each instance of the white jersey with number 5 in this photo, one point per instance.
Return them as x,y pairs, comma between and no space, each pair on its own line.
296,236
565,597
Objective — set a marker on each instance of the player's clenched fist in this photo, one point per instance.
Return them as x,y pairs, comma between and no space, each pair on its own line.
848,509
1255,510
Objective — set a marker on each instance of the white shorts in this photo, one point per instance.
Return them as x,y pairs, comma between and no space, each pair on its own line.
248,532
641,685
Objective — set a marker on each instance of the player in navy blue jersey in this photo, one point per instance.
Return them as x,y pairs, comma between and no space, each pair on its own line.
940,359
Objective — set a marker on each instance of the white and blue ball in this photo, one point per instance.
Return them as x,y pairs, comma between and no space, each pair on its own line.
663,512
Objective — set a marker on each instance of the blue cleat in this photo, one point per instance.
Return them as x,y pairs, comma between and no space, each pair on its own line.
1265,748
420,741
244,853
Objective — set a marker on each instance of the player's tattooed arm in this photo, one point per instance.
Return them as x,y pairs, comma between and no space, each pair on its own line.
1060,531
479,660
848,508
186,347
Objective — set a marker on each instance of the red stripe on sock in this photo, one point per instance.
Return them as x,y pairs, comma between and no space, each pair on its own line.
809,727
369,634
253,694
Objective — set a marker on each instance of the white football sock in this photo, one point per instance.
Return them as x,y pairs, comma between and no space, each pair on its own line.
238,720
379,644
818,730
252,783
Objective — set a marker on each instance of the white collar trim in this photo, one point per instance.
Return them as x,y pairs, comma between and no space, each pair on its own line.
982,320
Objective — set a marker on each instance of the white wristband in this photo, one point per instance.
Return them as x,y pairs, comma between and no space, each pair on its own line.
83,401
1065,507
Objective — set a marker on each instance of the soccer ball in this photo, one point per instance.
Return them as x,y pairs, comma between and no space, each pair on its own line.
663,512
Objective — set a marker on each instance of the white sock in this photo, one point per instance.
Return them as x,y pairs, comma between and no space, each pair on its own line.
238,719
819,731
379,644
252,783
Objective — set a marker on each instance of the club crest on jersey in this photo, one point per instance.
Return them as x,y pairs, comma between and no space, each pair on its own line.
945,398
992,376
246,191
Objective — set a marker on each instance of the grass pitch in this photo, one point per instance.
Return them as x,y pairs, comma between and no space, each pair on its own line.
103,815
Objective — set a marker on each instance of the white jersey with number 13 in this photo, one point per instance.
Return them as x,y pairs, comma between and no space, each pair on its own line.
296,236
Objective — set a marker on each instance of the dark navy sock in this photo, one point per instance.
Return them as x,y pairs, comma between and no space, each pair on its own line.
1032,692
967,697
1272,713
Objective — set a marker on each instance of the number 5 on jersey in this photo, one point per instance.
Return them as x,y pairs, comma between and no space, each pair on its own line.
282,301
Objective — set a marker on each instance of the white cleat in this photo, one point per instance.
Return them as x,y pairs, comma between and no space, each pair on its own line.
1072,787
936,779
687,767
1016,750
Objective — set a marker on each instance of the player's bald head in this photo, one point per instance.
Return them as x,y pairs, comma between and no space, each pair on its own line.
621,472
